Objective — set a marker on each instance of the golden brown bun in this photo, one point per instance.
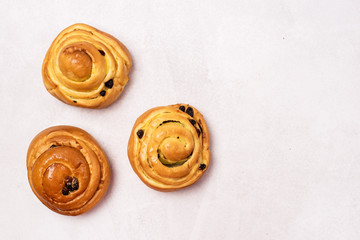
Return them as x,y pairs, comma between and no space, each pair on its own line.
67,169
169,147
86,67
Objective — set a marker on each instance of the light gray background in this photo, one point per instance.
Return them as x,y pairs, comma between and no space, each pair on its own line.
277,81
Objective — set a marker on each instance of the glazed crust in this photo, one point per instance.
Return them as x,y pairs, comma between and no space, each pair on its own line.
79,63
168,148
60,152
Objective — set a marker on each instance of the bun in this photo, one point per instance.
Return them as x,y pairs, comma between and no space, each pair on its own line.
169,147
67,170
86,67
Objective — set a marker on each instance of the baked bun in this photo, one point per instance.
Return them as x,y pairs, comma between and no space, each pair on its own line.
67,170
169,147
86,67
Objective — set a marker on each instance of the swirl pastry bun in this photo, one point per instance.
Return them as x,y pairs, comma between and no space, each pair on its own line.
169,147
86,67
67,169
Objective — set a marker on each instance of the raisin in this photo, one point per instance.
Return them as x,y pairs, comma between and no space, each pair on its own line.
65,191
67,179
182,108
52,146
75,184
200,127
202,166
193,122
69,186
190,111
102,52
102,93
198,132
74,101
67,182
140,133
109,84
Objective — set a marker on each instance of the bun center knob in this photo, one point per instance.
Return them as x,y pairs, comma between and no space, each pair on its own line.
54,178
75,64
175,150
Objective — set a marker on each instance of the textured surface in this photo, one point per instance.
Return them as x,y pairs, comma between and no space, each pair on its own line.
277,82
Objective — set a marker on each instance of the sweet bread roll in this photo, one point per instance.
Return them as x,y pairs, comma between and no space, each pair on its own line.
67,170
86,67
169,147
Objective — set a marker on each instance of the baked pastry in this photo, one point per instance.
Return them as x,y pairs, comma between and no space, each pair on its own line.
67,170
169,147
86,67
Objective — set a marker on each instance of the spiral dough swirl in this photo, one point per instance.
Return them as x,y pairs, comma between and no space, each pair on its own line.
67,170
86,67
169,147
